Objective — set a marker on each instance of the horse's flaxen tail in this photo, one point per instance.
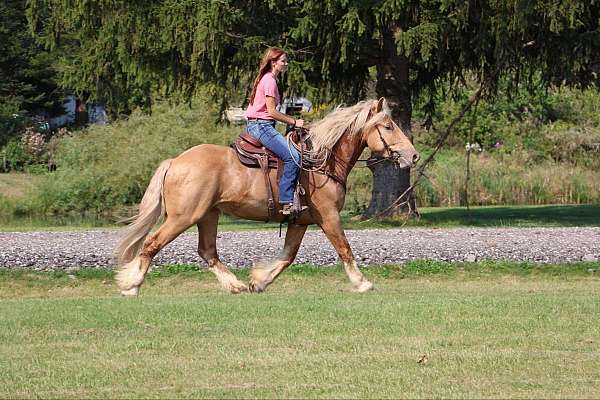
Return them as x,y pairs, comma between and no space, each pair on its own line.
151,209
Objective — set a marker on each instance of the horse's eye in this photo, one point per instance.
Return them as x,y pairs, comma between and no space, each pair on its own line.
387,126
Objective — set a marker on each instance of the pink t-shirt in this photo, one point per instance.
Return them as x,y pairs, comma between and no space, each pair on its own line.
267,86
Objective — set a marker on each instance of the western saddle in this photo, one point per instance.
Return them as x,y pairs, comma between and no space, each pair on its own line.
253,154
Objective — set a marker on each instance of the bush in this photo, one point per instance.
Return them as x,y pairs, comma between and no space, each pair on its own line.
496,178
575,145
7,206
14,156
104,167
518,119
34,145
534,154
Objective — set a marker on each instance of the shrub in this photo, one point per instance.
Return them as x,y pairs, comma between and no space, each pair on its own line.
518,119
507,179
7,206
533,154
14,156
34,145
576,145
104,167
495,179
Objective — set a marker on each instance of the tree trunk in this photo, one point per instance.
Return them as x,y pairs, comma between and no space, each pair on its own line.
389,181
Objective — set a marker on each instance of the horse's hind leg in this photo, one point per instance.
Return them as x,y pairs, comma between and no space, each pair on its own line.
131,276
264,273
207,249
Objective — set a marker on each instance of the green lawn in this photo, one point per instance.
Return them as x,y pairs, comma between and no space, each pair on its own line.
500,216
516,216
497,330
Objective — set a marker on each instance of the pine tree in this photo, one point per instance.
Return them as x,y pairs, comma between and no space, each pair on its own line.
27,76
417,45
128,51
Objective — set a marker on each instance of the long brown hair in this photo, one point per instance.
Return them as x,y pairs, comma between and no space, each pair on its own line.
272,54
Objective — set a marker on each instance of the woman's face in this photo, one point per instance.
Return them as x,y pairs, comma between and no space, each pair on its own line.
281,64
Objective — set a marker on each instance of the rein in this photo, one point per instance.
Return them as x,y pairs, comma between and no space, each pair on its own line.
392,155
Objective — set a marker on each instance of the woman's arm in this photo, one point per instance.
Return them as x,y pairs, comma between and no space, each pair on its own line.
276,115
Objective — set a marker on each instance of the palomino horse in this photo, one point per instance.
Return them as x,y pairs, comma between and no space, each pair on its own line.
207,180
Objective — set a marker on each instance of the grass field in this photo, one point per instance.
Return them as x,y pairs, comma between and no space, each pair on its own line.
513,216
480,330
17,184
500,216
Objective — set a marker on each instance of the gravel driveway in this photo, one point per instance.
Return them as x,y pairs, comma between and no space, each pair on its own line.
72,250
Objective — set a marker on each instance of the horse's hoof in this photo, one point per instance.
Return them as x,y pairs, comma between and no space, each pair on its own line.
364,286
239,288
134,291
259,275
255,287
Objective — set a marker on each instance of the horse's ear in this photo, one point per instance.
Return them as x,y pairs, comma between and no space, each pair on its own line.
380,105
377,107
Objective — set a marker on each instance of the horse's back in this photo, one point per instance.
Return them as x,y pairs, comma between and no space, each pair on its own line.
204,157
205,151
212,169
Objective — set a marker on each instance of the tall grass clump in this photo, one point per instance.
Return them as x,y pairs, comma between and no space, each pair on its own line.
506,179
7,206
104,167
495,179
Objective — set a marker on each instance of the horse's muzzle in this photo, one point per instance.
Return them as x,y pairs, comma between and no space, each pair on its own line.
408,158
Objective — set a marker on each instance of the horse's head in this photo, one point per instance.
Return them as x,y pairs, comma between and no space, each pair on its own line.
386,138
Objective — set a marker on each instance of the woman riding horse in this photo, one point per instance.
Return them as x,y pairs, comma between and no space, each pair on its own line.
207,180
262,114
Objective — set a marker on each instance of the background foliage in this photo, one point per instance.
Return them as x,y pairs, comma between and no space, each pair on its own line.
105,167
28,77
539,138
548,155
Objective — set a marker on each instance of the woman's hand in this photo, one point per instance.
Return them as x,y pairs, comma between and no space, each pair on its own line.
299,123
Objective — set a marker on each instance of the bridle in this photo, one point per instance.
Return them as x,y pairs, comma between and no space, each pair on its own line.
388,155
392,155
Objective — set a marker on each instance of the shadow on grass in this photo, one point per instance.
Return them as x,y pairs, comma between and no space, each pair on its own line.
559,215
498,216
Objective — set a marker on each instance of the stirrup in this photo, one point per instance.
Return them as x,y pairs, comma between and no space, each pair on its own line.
288,209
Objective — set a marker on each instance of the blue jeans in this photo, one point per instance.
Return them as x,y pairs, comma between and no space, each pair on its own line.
265,132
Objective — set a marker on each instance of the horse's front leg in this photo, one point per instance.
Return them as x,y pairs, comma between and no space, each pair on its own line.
332,227
263,274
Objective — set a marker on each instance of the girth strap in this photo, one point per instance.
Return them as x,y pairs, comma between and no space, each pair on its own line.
263,161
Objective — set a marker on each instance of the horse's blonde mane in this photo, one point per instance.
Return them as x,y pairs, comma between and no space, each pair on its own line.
326,132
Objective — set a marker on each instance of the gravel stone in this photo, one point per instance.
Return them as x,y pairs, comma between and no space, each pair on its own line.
69,251
471,257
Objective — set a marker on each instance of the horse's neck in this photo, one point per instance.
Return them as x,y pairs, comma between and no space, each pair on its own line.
345,154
